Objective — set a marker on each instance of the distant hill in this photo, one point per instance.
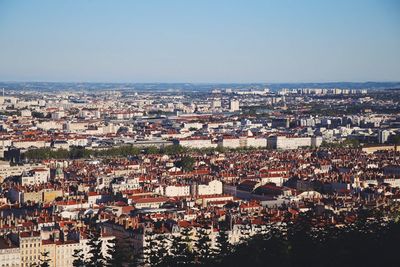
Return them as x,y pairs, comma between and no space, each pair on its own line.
54,86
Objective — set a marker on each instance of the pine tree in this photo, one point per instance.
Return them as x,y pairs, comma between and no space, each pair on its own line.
156,249
79,260
96,258
180,253
44,259
162,249
121,252
115,254
204,252
187,255
223,247
175,252
149,249
131,257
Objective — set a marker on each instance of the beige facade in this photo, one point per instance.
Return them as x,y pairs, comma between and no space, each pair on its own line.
30,247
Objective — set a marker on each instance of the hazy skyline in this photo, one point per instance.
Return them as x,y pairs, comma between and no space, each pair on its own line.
200,41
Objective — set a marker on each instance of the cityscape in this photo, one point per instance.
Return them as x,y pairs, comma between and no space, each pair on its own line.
220,171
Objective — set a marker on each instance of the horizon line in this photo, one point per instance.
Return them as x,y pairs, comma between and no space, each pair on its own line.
191,82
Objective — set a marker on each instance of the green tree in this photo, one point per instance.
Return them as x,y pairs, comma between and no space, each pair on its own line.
186,163
149,256
115,256
79,259
223,247
204,252
156,249
162,249
220,149
126,252
151,150
173,150
96,258
76,152
180,252
38,115
177,251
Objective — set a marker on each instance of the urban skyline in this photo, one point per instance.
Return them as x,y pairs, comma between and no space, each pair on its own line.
199,133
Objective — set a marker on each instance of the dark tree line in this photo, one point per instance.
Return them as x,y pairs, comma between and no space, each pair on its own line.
81,152
182,250
368,242
371,241
122,151
120,253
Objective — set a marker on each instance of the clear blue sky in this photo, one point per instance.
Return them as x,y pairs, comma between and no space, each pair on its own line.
200,41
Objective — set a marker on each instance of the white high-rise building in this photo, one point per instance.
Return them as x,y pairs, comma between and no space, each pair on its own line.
234,105
216,103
